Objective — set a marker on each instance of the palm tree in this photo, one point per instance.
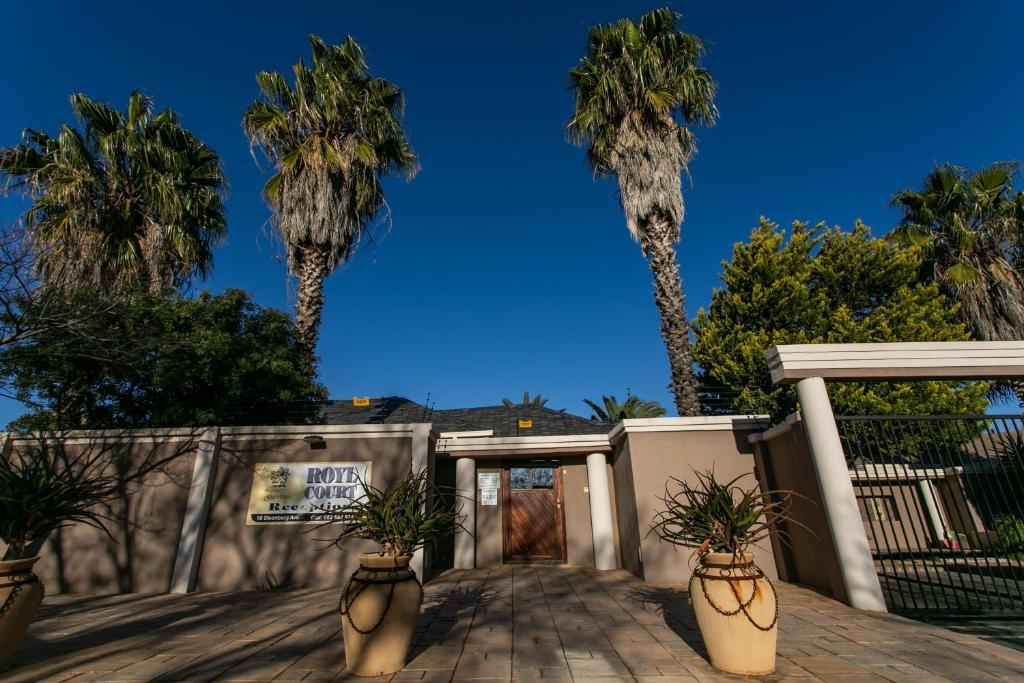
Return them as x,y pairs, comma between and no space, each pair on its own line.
969,228
610,410
537,401
133,200
637,90
331,136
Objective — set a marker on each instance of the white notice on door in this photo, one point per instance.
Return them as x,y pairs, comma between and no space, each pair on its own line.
489,496
488,480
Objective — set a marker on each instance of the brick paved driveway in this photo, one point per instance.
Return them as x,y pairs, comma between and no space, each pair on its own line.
513,623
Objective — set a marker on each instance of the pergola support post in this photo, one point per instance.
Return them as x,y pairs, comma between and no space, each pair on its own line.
860,577
601,524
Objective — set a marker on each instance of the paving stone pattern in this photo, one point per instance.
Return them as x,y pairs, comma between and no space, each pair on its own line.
537,624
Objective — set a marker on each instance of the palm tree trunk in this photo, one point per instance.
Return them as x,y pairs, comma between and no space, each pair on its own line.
309,304
675,328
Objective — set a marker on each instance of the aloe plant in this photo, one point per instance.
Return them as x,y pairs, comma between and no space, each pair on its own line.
715,517
40,492
402,519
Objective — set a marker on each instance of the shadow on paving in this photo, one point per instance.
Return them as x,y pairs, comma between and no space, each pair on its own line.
674,606
543,624
1008,631
167,637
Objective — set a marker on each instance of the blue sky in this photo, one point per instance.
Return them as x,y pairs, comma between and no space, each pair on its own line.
508,267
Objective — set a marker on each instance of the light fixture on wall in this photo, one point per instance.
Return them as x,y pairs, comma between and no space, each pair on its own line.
315,441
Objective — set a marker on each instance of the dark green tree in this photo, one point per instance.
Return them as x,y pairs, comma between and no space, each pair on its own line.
822,285
167,362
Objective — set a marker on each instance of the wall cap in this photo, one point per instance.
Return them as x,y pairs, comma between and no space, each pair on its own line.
783,427
687,424
79,436
467,435
484,445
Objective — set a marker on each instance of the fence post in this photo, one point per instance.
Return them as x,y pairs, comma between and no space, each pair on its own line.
856,564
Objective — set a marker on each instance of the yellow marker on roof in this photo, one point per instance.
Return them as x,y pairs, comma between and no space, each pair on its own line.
526,424
361,402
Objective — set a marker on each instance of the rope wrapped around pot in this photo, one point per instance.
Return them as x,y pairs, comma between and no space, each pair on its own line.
394,576
16,582
747,571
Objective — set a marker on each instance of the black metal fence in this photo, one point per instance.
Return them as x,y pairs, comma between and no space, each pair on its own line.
942,499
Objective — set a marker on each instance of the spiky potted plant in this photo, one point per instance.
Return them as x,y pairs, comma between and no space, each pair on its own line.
381,602
735,603
40,491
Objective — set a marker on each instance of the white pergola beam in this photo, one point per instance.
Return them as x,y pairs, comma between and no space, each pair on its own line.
791,363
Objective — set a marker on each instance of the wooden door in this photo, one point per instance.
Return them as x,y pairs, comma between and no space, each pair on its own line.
532,502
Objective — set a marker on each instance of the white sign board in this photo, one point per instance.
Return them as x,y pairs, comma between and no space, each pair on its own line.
489,496
305,492
488,480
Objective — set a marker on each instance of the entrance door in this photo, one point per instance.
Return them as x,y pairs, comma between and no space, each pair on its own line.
534,525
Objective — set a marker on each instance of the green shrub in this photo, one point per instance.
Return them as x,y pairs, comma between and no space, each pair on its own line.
1010,529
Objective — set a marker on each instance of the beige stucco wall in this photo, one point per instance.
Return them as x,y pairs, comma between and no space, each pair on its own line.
489,530
578,530
806,555
138,554
575,507
644,463
905,526
239,556
626,521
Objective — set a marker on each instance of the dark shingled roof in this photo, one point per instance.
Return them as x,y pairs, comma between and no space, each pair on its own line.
504,421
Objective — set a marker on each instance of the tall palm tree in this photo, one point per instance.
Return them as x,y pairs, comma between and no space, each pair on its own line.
637,91
331,136
610,410
134,200
969,229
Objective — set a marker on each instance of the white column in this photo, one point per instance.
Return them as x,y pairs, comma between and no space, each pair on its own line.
197,511
465,491
931,508
420,461
601,511
851,542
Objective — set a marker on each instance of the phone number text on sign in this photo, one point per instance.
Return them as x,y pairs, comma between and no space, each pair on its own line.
305,492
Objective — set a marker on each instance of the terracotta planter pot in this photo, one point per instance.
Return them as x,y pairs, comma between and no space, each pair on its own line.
20,595
742,640
379,608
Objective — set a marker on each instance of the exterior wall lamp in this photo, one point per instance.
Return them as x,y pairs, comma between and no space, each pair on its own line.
315,441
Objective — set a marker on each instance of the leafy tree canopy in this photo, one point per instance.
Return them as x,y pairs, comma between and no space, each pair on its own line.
213,360
822,285
131,200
